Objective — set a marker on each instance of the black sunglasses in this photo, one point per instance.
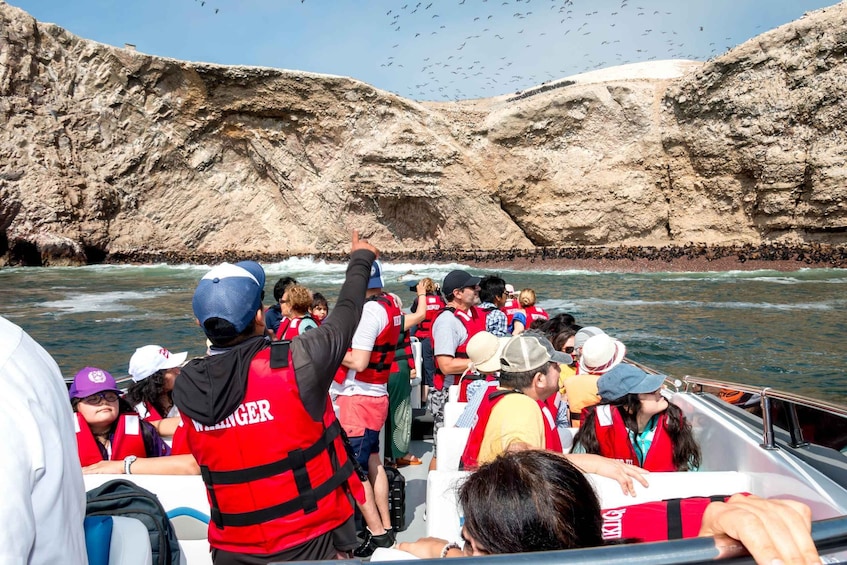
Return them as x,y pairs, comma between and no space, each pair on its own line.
98,397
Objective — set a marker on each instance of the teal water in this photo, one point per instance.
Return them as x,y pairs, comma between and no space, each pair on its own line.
785,330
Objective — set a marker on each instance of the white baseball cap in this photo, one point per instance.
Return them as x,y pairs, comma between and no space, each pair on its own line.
151,358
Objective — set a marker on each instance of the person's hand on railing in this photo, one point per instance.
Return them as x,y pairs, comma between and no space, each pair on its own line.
773,531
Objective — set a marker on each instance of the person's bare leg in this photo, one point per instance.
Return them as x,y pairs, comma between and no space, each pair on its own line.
370,513
380,488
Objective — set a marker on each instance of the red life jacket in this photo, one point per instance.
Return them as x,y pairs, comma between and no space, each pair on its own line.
434,305
510,308
474,322
549,410
385,347
465,382
152,414
275,478
672,519
535,313
404,349
127,440
290,328
613,437
470,457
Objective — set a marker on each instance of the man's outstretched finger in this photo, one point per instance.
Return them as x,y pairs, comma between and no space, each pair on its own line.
358,243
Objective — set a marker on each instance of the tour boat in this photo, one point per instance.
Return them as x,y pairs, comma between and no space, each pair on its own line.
770,443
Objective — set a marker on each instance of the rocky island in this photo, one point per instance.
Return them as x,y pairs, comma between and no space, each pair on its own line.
108,154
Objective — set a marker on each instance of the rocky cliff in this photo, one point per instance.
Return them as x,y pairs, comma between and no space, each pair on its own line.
110,152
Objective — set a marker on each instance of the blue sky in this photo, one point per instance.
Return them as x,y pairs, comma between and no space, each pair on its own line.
429,50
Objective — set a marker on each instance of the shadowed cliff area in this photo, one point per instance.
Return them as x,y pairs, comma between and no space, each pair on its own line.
110,154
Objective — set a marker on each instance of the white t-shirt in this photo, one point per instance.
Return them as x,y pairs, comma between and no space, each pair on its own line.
374,321
42,495
141,408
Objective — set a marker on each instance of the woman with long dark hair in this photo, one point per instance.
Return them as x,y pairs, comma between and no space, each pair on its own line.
635,423
153,370
536,500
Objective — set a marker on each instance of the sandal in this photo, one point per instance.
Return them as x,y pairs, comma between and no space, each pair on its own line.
411,460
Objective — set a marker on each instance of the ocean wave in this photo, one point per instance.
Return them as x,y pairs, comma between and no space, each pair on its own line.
115,301
308,270
828,305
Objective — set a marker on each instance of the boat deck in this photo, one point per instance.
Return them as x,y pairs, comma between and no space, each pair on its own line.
416,476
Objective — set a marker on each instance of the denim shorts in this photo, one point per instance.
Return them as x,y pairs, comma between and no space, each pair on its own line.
363,446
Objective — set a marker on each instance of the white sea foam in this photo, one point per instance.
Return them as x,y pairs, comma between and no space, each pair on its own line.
78,302
308,265
309,270
829,305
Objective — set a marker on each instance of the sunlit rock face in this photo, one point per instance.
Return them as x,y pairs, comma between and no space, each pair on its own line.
107,151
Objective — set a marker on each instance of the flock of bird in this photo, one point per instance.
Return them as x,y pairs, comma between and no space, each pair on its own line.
462,49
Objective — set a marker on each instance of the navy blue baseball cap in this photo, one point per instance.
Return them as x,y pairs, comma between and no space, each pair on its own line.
232,293
376,280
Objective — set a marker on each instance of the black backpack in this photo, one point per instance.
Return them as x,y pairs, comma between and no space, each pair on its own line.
120,497
396,498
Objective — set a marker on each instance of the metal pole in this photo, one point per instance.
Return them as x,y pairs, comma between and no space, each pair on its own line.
767,422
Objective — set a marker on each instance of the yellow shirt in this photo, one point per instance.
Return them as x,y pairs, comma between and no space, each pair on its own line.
581,391
565,372
516,418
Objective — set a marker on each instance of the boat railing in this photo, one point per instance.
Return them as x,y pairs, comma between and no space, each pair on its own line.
830,537
789,403
767,396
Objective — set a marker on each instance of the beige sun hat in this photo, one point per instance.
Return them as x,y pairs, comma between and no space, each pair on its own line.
484,350
601,353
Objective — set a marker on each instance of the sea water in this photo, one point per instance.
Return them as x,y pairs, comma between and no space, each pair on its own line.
781,329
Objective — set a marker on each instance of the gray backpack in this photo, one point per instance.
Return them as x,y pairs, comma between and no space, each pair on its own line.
125,498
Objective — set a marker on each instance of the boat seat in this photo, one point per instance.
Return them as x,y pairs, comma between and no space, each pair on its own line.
184,499
452,411
391,554
442,513
192,530
444,520
130,543
451,445
671,485
173,491
189,523
452,441
195,552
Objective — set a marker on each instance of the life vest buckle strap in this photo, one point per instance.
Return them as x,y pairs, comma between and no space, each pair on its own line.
276,467
288,507
215,511
301,480
502,392
279,354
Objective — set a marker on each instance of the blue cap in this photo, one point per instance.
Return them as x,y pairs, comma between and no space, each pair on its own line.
254,269
376,276
230,292
627,379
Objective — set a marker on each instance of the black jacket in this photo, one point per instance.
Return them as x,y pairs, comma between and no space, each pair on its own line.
209,389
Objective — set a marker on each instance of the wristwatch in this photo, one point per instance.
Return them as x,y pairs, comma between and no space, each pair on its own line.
128,461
